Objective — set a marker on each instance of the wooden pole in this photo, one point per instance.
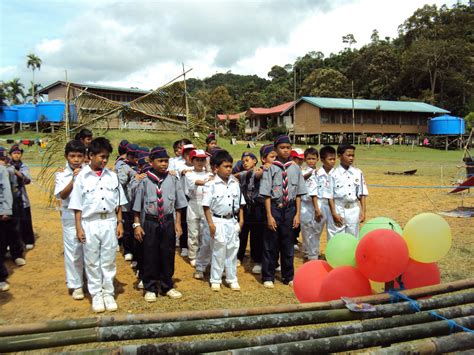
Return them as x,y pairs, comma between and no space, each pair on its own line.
104,321
186,98
217,325
285,337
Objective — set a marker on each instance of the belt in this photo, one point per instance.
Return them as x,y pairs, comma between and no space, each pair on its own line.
227,216
347,204
281,205
154,218
104,215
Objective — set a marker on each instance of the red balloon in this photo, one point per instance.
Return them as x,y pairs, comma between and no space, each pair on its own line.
344,281
420,274
382,255
308,280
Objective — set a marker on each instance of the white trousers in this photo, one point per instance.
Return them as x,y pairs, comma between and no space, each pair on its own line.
195,219
350,216
308,230
225,246
73,253
204,253
99,254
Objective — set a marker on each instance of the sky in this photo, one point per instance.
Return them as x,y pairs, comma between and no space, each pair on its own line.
131,43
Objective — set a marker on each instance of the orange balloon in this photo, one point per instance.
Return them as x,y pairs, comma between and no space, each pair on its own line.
308,280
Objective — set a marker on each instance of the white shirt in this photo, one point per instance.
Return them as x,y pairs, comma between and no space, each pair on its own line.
348,185
93,194
311,185
323,181
220,197
62,179
176,164
194,192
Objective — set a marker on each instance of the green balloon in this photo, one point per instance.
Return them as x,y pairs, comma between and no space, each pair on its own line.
380,223
340,250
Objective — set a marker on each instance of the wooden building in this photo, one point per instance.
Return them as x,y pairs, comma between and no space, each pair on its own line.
320,116
258,119
229,122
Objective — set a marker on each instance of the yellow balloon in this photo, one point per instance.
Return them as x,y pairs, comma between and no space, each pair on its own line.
428,237
377,287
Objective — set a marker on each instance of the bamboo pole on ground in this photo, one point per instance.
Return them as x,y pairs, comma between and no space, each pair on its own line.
70,324
362,340
235,343
217,325
446,344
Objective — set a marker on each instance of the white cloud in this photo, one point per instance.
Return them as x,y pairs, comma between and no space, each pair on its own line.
49,46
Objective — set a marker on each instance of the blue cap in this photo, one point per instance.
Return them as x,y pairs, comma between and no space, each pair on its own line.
132,149
281,140
248,154
3,152
266,149
15,148
158,152
123,143
238,167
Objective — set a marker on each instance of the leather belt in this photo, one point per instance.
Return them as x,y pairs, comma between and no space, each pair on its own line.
154,218
227,216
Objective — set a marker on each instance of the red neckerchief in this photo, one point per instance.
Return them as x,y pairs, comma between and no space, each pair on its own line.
281,165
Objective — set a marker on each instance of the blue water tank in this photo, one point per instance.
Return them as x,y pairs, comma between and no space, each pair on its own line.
26,113
51,111
9,114
447,125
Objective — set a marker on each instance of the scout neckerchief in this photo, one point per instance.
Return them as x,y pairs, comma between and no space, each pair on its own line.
158,181
284,175
134,166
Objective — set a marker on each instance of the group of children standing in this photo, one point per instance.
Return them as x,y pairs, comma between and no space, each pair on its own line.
202,203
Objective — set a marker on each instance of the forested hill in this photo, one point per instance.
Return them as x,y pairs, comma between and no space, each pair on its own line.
431,60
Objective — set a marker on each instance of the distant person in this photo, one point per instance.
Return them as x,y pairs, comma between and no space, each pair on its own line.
211,142
6,223
85,136
348,194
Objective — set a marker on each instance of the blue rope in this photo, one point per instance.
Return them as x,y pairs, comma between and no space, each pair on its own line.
395,296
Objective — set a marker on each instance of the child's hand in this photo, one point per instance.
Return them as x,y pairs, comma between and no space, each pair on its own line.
81,235
296,221
361,217
171,172
212,230
318,215
138,233
76,171
119,230
4,218
338,220
271,223
178,230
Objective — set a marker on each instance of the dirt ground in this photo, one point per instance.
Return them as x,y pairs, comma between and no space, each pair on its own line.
38,291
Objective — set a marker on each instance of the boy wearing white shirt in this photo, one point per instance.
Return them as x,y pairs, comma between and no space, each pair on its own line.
193,188
348,196
96,199
75,152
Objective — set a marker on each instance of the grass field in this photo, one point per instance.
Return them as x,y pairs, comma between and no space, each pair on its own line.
38,291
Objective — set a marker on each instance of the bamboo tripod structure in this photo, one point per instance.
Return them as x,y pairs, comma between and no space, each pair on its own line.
389,324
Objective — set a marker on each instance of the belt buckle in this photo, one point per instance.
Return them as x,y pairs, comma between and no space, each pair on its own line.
348,205
280,205
103,215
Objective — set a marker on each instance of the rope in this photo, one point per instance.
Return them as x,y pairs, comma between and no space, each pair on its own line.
395,296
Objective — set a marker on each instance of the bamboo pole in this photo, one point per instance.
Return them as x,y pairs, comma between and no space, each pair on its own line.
362,340
235,343
445,344
70,324
217,325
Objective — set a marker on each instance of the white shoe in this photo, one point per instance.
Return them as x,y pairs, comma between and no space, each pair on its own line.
4,286
150,296
184,252
215,287
174,294
193,263
198,275
110,303
20,261
133,264
278,269
297,248
78,294
118,248
239,263
290,283
268,284
234,286
140,285
29,246
98,305
257,269
128,257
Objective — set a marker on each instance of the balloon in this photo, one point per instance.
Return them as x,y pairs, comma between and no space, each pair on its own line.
340,250
420,274
428,237
344,281
379,223
377,287
382,255
308,280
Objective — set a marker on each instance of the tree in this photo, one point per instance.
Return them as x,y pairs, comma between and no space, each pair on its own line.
374,37
326,83
220,101
349,39
276,94
277,73
34,88
33,62
15,91
469,121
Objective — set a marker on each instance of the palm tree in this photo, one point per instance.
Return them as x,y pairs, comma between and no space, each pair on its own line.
34,88
15,89
34,62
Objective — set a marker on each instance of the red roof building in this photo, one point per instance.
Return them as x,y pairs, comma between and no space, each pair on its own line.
258,118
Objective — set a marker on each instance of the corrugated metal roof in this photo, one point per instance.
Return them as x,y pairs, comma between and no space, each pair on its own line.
93,86
272,110
380,105
231,117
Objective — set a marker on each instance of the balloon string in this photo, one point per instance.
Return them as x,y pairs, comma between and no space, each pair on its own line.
395,296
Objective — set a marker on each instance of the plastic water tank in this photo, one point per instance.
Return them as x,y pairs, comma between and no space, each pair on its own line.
26,113
51,111
9,114
447,125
